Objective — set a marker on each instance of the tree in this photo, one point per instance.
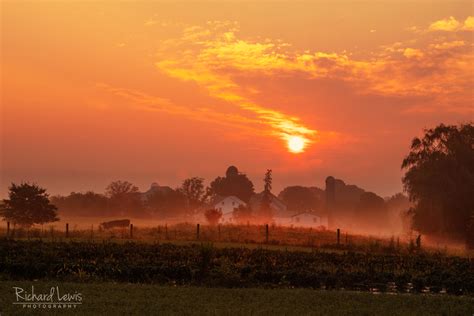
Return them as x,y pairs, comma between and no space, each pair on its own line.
124,197
439,180
84,204
398,206
301,199
268,181
166,204
234,183
193,191
28,204
119,188
398,202
265,205
242,214
213,216
371,212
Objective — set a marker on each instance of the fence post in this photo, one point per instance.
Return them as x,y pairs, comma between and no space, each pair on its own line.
338,236
8,229
131,231
197,231
67,230
418,242
266,233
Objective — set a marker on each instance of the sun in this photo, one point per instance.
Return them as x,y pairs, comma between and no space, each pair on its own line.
296,144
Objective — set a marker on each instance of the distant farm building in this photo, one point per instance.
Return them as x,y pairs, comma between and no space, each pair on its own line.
227,205
277,206
307,219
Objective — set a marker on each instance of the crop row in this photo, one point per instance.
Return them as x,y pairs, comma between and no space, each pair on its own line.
205,265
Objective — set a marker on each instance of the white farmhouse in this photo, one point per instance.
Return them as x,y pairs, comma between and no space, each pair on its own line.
307,219
227,205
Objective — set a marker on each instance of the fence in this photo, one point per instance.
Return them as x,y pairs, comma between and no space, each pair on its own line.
243,234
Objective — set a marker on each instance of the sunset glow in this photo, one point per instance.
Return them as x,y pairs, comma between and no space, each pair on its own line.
172,85
237,157
296,144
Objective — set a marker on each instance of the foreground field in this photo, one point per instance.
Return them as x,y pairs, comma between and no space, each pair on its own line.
139,299
206,265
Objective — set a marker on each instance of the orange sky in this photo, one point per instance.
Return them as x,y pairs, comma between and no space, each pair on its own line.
160,91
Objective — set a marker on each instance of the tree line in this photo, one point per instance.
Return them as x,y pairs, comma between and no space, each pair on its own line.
439,181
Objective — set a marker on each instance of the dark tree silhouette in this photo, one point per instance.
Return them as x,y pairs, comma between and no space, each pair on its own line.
398,206
166,204
124,198
265,206
193,191
300,199
28,204
234,183
267,187
371,211
213,216
120,188
439,179
84,204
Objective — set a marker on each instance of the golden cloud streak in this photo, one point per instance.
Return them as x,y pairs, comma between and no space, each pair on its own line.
153,103
213,55
221,86
452,25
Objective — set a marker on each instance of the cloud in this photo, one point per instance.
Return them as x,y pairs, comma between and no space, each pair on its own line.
212,55
141,100
412,53
469,24
150,22
448,45
449,24
452,25
215,56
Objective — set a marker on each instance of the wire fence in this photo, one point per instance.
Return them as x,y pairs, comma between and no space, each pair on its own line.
228,233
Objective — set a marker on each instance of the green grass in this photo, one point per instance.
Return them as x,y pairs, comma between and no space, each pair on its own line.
138,299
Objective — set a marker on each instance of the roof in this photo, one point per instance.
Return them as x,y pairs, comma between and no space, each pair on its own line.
257,198
219,199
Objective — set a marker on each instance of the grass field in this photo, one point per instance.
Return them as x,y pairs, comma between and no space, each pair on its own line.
187,278
138,299
279,237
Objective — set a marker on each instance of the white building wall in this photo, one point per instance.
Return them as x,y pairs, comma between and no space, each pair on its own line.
227,206
309,220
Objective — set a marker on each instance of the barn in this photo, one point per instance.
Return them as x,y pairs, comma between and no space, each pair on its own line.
227,205
307,219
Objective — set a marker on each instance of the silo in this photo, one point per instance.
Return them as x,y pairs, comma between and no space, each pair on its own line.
330,200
